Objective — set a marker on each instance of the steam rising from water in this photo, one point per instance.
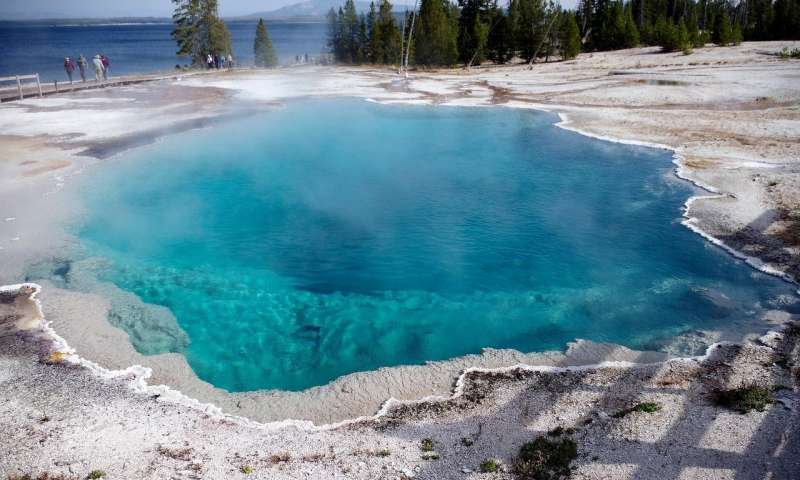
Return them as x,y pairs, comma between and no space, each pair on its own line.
337,236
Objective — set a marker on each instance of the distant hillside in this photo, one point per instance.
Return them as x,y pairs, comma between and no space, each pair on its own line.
309,8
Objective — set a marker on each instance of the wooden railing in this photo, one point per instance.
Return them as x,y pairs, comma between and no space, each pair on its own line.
19,80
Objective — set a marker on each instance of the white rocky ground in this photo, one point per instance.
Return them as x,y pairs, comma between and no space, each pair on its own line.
732,116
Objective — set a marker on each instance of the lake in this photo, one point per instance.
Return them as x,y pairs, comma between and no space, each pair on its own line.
32,47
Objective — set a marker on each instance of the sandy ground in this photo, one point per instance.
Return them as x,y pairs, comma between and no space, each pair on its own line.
731,114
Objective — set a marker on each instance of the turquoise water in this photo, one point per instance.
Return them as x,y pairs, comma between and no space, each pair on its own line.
336,236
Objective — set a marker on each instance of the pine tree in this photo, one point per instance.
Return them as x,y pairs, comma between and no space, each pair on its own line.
474,24
500,44
371,18
569,37
385,37
682,38
363,40
199,31
666,35
531,27
436,33
186,19
631,35
215,36
263,49
722,34
736,34
350,29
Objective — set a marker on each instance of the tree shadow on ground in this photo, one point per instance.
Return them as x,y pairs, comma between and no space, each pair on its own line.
690,437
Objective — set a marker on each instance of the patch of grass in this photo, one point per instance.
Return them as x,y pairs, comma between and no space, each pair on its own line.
246,469
645,407
490,465
786,54
96,475
467,442
745,399
427,445
544,459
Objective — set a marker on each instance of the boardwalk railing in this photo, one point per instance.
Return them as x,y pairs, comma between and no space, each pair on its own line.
19,80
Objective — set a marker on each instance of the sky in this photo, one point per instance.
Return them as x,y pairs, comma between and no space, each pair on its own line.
33,9
27,9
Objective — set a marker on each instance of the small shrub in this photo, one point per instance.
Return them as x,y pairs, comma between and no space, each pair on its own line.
246,469
55,358
467,442
544,459
490,465
646,407
556,432
745,399
383,453
426,445
786,54
96,475
430,456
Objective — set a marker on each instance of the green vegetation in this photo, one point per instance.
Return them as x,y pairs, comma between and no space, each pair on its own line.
475,31
467,441
383,453
569,37
490,465
786,54
745,399
435,35
544,459
246,469
646,407
199,31
264,51
96,475
426,445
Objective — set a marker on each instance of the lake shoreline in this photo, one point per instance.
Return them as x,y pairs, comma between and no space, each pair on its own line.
68,310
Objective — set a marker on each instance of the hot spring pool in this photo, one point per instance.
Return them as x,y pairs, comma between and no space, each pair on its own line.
337,236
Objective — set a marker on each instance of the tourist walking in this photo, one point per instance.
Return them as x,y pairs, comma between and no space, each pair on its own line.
210,61
98,67
230,61
82,67
69,67
106,65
